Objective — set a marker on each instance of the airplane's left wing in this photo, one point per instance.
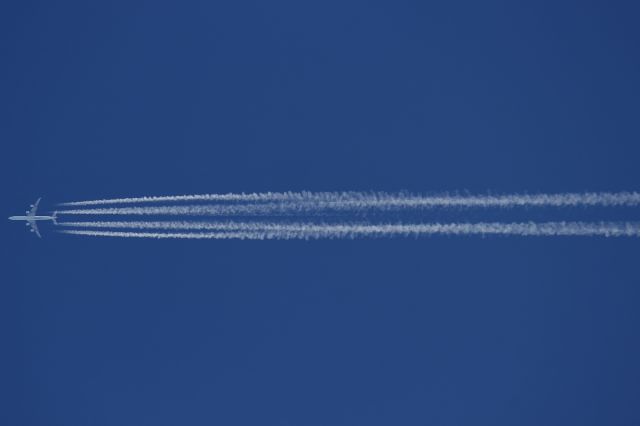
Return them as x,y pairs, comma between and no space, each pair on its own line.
34,227
34,207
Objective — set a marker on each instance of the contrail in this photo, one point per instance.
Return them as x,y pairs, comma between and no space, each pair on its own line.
203,210
200,226
292,203
288,231
265,196
360,199
163,235
383,199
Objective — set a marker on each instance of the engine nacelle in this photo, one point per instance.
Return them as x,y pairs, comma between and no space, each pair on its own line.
27,212
31,230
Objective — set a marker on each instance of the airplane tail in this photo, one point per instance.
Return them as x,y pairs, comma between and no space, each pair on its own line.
54,218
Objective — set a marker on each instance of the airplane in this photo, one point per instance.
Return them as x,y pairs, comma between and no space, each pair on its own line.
31,218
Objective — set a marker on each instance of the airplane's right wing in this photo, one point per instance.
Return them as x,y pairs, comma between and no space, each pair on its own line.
34,207
34,227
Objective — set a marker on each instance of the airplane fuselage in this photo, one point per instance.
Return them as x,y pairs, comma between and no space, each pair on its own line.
31,218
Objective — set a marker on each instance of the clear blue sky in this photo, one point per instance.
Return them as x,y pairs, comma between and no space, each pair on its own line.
128,98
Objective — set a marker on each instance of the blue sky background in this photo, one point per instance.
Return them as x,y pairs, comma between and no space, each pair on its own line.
102,99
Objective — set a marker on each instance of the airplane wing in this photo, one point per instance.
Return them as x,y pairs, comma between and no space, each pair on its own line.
34,207
34,227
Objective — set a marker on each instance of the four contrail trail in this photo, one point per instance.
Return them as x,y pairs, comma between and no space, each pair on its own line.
294,215
289,231
340,200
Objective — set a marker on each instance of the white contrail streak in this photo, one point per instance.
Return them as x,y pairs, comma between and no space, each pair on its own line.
355,202
198,226
288,231
172,235
201,210
265,196
360,200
